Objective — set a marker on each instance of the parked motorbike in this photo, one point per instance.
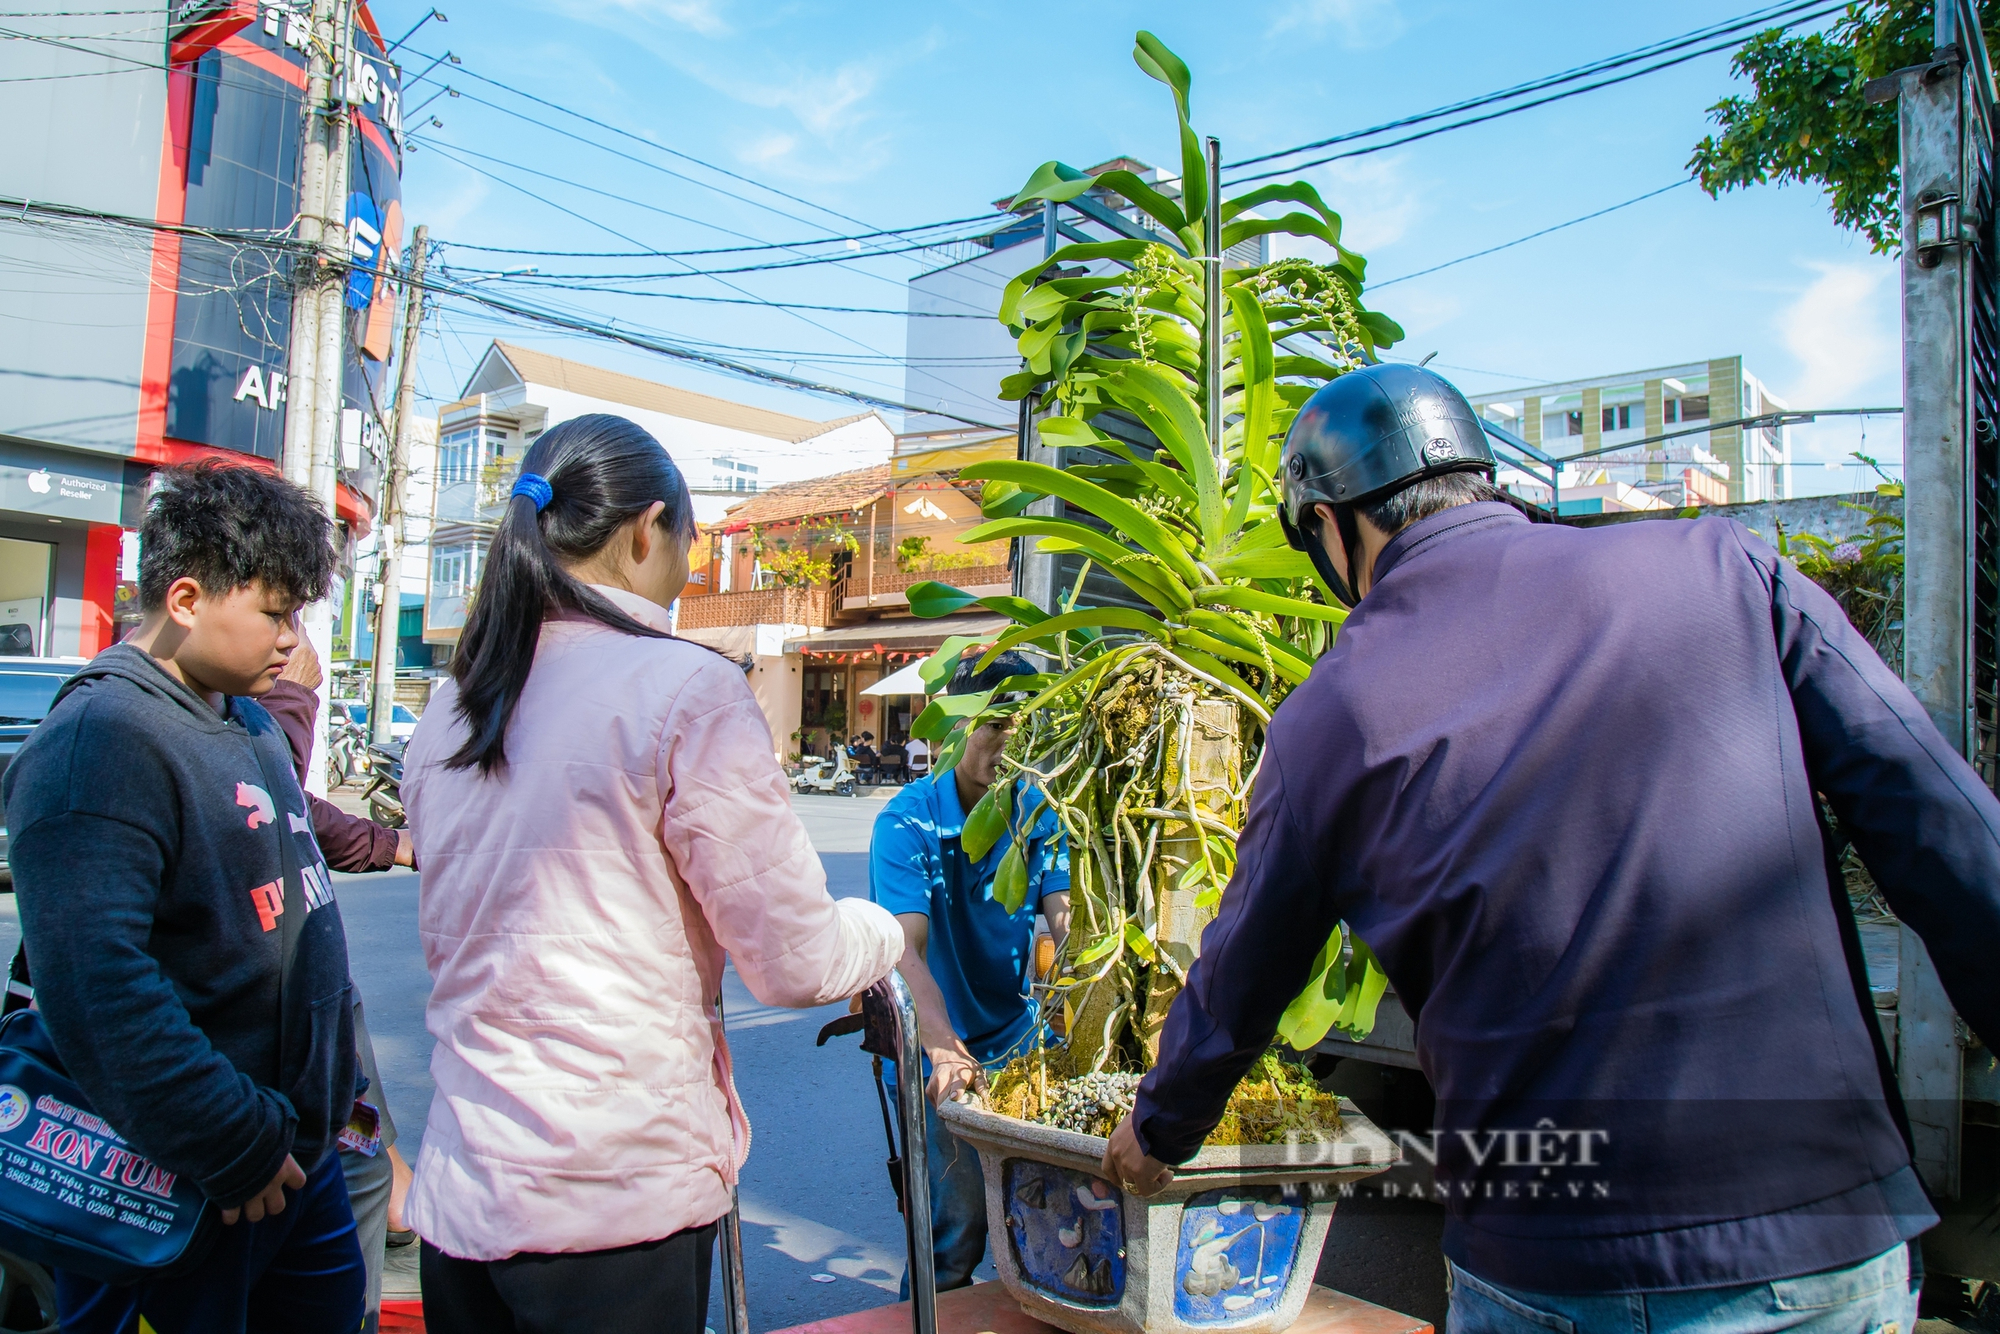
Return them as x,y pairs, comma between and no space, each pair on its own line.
384,793
826,775
346,750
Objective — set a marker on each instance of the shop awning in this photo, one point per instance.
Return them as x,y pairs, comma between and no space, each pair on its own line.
903,681
911,636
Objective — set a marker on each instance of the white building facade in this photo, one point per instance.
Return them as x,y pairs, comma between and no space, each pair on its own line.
1671,436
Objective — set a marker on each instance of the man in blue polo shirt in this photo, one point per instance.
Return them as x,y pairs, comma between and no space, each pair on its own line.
966,958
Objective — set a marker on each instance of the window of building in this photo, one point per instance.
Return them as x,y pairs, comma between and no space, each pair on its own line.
458,456
450,571
1694,408
1619,418
1573,423
1671,411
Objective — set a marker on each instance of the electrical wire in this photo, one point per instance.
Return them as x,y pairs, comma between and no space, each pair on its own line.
1823,11
451,150
1523,240
662,148
1547,81
715,250
654,166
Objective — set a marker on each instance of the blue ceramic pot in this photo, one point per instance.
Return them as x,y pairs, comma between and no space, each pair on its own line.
1231,1244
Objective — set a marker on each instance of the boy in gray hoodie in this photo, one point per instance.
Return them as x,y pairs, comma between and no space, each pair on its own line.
146,813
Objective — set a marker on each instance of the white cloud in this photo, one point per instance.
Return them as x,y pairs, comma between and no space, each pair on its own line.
1360,25
1843,329
1376,199
701,16
822,101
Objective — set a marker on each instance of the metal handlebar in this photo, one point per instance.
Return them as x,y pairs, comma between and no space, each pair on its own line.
916,1180
916,1154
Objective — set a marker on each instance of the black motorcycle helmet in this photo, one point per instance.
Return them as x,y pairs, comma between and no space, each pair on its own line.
1361,439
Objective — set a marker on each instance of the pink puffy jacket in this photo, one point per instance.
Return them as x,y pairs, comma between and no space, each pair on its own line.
574,913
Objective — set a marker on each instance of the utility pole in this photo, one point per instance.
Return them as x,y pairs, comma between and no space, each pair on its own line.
317,355
302,361
389,596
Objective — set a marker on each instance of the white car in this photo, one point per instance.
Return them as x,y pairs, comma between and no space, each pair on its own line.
401,721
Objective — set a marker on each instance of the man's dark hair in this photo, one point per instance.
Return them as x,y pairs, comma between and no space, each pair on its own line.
1433,495
225,525
965,681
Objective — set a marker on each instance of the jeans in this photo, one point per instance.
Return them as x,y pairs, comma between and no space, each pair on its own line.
368,1184
298,1272
1877,1296
958,1200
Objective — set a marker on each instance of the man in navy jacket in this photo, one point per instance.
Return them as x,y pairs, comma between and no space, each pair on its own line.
1563,783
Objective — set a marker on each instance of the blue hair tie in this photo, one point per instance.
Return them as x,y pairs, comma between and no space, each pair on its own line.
536,488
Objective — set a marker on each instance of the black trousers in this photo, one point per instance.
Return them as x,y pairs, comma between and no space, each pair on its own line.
653,1287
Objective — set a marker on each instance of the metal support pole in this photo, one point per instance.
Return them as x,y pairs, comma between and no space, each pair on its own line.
1211,265
735,1293
916,1146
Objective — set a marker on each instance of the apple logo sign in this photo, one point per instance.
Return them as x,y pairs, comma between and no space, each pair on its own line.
38,481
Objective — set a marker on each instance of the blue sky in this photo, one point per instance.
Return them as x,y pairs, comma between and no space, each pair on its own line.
897,114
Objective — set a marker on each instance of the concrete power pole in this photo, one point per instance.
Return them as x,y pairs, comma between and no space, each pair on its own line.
317,355
389,597
302,362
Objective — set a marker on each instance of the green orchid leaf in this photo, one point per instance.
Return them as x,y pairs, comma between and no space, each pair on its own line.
1156,205
1020,610
1384,331
1042,302
1283,664
1121,514
1151,582
1003,500
1169,411
987,820
1138,942
931,599
937,669
1053,181
1251,599
1151,55
947,711
1278,563
1098,950
1254,352
1366,983
1087,618
1290,224
1290,192
1312,366
1311,1015
950,752
1010,882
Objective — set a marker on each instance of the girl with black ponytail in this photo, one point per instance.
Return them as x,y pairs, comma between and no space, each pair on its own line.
599,813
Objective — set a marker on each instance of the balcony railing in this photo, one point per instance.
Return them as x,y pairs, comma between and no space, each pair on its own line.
888,586
763,606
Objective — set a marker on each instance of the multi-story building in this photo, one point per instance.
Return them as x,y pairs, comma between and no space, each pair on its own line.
806,584
127,346
1671,436
516,393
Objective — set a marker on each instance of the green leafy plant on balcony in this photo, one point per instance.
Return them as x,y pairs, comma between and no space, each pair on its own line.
1144,731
